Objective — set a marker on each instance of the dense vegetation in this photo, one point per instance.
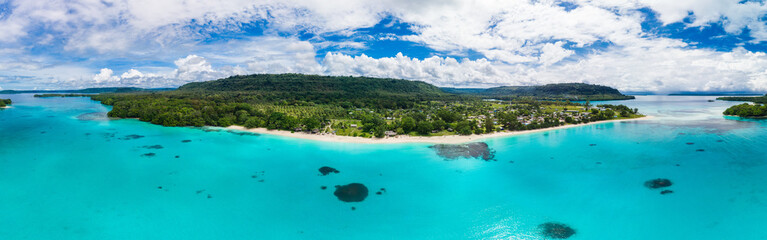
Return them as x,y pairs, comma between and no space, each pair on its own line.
299,83
747,110
760,99
350,106
5,102
559,91
346,92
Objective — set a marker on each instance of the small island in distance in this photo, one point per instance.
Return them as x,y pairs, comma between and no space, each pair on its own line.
5,102
364,107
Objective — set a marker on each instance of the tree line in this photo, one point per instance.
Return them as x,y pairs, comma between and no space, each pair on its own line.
747,110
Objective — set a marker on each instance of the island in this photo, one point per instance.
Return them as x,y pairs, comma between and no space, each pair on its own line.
757,99
356,107
5,102
746,110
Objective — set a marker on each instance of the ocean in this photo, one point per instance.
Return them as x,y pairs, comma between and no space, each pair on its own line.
67,172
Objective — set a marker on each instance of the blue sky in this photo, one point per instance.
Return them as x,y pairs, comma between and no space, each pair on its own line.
644,45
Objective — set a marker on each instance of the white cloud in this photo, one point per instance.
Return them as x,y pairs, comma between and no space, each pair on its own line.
516,31
435,70
660,69
734,15
665,70
522,41
105,75
553,53
292,56
192,66
133,73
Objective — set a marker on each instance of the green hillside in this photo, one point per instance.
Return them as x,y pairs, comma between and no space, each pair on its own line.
277,84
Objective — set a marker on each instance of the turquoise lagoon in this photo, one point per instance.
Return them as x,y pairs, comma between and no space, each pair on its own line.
66,178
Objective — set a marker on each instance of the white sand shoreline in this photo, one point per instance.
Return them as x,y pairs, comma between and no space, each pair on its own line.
452,139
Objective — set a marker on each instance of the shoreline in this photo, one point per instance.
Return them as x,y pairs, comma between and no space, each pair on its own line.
452,139
759,117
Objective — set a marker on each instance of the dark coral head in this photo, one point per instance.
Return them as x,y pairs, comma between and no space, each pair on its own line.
658,183
556,230
327,170
353,192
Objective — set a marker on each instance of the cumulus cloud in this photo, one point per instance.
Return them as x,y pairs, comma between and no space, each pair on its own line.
553,53
654,69
436,70
193,67
188,69
657,69
105,76
519,42
665,70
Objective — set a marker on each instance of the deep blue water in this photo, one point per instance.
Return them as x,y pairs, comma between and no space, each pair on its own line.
66,178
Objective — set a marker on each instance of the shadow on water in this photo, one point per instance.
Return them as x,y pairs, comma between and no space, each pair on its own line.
93,116
468,150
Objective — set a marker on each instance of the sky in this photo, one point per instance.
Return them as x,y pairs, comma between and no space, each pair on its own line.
633,45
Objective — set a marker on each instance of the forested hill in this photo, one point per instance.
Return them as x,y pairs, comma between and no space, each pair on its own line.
277,84
300,86
558,91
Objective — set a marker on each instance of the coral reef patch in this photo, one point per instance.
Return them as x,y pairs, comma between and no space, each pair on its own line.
657,183
353,192
468,150
556,230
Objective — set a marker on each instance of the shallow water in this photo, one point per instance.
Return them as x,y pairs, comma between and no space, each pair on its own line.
64,177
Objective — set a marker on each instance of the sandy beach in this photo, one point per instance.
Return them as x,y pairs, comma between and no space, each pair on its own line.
452,139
